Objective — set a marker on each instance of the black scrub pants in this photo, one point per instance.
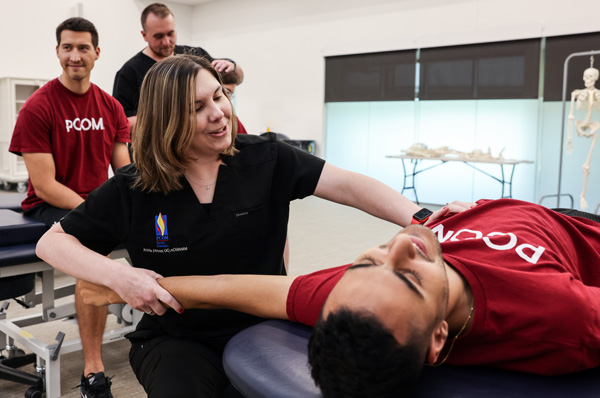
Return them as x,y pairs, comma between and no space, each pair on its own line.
46,213
170,367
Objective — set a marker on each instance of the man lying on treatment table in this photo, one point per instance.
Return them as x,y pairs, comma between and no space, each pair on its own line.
517,287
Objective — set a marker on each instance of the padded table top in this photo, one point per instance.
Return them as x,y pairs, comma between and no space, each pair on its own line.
16,229
12,201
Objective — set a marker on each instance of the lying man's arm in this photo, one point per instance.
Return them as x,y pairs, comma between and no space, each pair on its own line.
261,295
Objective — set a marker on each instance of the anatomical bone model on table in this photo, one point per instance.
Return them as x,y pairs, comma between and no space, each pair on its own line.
586,99
420,149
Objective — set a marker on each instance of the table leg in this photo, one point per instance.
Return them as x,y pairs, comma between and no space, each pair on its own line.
411,177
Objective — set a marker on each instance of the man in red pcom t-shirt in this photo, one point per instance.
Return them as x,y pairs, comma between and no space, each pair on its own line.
69,132
506,284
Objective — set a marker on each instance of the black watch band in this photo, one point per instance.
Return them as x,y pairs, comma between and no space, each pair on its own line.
421,216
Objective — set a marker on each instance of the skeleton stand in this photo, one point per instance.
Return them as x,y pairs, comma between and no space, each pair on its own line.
562,127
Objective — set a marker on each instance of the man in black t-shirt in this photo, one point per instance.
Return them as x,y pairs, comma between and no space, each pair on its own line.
158,24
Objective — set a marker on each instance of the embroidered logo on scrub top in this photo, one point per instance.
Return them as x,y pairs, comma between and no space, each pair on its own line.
162,232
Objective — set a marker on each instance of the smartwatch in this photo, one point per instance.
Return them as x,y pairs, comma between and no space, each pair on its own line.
421,216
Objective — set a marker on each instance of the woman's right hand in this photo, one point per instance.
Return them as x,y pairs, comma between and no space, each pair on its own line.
139,288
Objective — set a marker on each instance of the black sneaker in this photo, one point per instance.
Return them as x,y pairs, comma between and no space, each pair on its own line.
95,385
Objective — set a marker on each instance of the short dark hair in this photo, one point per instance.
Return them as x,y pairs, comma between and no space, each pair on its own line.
158,9
229,77
353,354
77,24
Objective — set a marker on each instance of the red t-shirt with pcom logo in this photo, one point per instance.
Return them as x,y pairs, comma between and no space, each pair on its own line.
78,130
535,277
308,293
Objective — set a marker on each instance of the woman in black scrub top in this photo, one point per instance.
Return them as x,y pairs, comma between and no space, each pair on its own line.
198,200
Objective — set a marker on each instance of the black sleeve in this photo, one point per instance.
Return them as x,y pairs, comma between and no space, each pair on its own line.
126,91
298,172
101,222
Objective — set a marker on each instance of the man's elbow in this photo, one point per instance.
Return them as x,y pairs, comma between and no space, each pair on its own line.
42,192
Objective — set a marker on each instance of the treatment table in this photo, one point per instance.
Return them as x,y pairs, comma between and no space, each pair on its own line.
270,360
19,266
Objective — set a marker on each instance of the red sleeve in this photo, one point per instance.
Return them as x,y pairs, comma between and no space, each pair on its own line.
122,124
32,133
309,292
241,129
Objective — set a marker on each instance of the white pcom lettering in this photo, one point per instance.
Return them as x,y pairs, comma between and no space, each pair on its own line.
511,243
477,235
533,257
439,230
84,124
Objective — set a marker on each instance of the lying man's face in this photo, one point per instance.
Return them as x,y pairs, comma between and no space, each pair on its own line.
403,283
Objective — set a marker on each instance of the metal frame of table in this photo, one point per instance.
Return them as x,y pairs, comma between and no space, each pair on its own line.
409,178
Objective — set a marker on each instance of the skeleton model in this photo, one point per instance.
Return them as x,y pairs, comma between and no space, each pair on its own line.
587,99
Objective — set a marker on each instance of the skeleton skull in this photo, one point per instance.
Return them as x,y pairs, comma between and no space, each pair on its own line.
590,76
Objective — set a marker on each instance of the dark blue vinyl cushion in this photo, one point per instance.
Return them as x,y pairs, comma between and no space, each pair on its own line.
16,229
269,360
12,201
18,237
17,254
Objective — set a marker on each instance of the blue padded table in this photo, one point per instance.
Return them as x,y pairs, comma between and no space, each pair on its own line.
19,267
269,360
12,201
18,237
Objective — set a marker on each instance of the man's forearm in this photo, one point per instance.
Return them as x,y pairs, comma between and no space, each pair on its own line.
260,295
42,173
58,195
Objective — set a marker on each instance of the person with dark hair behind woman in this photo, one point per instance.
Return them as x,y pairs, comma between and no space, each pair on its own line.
198,200
158,30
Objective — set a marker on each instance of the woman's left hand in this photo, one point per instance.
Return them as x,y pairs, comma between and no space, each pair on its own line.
451,208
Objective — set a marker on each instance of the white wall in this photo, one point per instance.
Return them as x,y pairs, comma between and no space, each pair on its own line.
281,44
29,43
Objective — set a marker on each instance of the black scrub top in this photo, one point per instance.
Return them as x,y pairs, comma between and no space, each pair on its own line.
243,233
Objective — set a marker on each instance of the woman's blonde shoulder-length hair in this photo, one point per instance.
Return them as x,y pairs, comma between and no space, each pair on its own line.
166,122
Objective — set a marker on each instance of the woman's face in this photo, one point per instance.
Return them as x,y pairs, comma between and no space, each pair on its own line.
213,117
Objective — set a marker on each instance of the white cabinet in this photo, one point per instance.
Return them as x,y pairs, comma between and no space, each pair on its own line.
13,93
